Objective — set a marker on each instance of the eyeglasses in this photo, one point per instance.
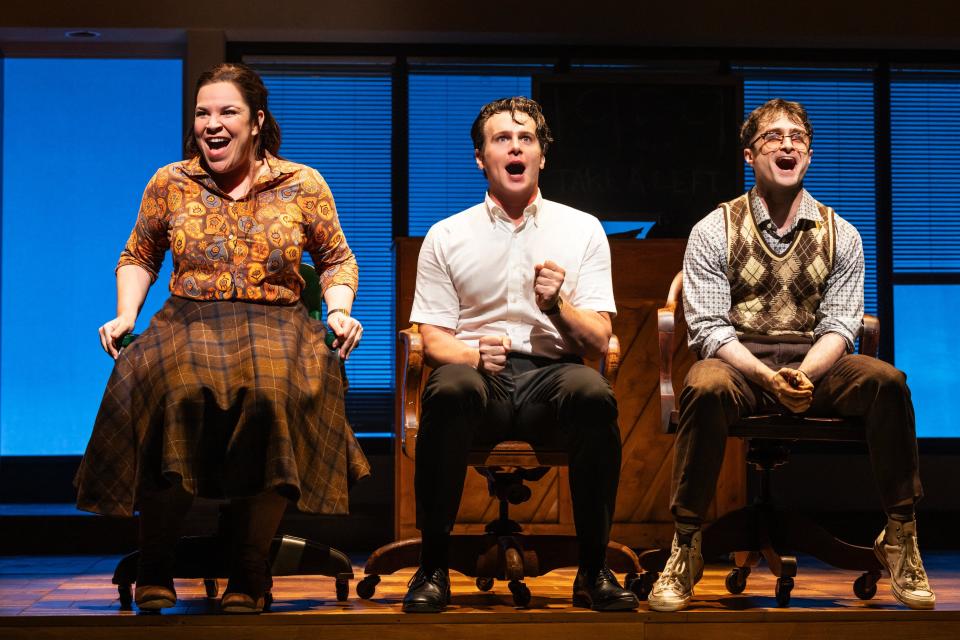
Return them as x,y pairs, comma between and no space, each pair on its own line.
771,140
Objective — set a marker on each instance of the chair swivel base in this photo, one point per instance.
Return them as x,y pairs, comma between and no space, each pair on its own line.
489,557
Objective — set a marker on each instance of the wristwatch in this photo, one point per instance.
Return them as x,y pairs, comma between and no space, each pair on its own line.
556,308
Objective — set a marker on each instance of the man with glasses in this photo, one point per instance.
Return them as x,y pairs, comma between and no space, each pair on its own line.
773,298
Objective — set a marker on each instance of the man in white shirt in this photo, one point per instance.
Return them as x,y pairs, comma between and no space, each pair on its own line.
511,295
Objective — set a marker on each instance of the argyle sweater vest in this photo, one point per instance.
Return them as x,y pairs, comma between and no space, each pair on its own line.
776,295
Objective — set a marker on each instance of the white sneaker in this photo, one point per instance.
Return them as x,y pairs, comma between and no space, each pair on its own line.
674,588
908,579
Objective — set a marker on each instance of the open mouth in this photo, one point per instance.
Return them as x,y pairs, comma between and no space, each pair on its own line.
786,163
515,168
217,143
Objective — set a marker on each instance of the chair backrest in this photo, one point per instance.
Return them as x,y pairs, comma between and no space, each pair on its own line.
510,453
672,333
312,298
311,295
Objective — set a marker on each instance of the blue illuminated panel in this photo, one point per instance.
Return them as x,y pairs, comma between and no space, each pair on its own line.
924,332
81,138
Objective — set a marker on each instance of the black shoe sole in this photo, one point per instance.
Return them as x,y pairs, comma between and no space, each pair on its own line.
620,604
422,607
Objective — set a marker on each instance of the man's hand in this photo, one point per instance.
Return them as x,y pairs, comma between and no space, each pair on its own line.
547,280
493,354
792,388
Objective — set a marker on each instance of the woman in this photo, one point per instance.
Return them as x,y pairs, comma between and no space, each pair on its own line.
231,391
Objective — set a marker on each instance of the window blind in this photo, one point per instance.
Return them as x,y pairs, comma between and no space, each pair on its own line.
444,178
842,171
925,144
340,123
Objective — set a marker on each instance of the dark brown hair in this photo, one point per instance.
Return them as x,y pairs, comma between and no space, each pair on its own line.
514,105
770,110
254,93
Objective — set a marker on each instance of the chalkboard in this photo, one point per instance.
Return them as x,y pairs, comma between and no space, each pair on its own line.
642,148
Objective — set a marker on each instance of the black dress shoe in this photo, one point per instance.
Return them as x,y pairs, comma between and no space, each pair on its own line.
602,592
427,592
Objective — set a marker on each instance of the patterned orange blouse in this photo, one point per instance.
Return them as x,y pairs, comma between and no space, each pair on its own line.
249,249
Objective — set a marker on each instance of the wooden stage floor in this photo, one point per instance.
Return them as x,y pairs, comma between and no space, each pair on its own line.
72,597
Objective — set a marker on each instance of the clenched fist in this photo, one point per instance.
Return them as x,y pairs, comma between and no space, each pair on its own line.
493,354
547,280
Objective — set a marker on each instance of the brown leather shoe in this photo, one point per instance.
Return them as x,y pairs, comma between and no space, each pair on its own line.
241,603
153,597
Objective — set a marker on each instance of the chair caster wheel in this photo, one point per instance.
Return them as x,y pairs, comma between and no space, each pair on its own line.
643,584
484,584
368,586
126,596
343,590
736,580
865,587
784,587
211,586
521,593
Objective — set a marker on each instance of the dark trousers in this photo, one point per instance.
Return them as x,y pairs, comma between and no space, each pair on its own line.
715,395
537,400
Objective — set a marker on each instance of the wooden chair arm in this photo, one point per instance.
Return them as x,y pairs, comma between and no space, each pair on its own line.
667,320
411,346
610,366
870,336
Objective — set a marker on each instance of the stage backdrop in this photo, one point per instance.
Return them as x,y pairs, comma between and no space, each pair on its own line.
656,148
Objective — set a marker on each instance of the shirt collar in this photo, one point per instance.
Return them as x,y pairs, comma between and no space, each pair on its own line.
532,210
277,169
808,209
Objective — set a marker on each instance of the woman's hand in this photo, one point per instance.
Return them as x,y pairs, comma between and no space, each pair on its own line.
347,330
112,333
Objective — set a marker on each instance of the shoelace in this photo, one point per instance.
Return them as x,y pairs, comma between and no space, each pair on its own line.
606,574
911,566
420,577
676,568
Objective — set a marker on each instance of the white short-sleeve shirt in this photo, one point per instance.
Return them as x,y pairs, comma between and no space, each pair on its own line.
476,271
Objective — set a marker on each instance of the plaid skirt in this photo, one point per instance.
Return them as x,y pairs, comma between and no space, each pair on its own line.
229,399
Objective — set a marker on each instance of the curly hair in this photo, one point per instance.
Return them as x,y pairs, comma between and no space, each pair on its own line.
515,105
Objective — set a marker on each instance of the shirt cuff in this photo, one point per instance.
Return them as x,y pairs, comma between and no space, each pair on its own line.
716,340
826,326
126,259
435,320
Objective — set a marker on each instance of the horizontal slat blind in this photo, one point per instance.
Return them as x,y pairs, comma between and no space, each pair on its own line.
842,171
341,124
444,178
925,141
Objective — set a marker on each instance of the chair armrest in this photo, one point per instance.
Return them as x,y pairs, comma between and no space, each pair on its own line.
870,336
411,346
610,366
666,322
